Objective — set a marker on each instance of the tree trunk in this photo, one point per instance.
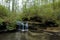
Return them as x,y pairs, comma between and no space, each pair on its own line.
13,5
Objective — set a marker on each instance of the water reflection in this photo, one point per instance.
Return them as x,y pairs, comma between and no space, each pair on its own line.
14,36
29,36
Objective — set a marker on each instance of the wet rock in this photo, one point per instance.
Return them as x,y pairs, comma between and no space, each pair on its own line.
51,23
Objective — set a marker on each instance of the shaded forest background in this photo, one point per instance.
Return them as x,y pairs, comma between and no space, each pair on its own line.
46,10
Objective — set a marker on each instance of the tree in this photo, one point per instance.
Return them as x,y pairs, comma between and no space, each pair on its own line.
14,5
8,1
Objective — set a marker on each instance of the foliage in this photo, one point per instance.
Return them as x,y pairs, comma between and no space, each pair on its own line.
45,11
3,11
48,11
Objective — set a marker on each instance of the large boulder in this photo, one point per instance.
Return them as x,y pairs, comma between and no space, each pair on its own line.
51,23
36,19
